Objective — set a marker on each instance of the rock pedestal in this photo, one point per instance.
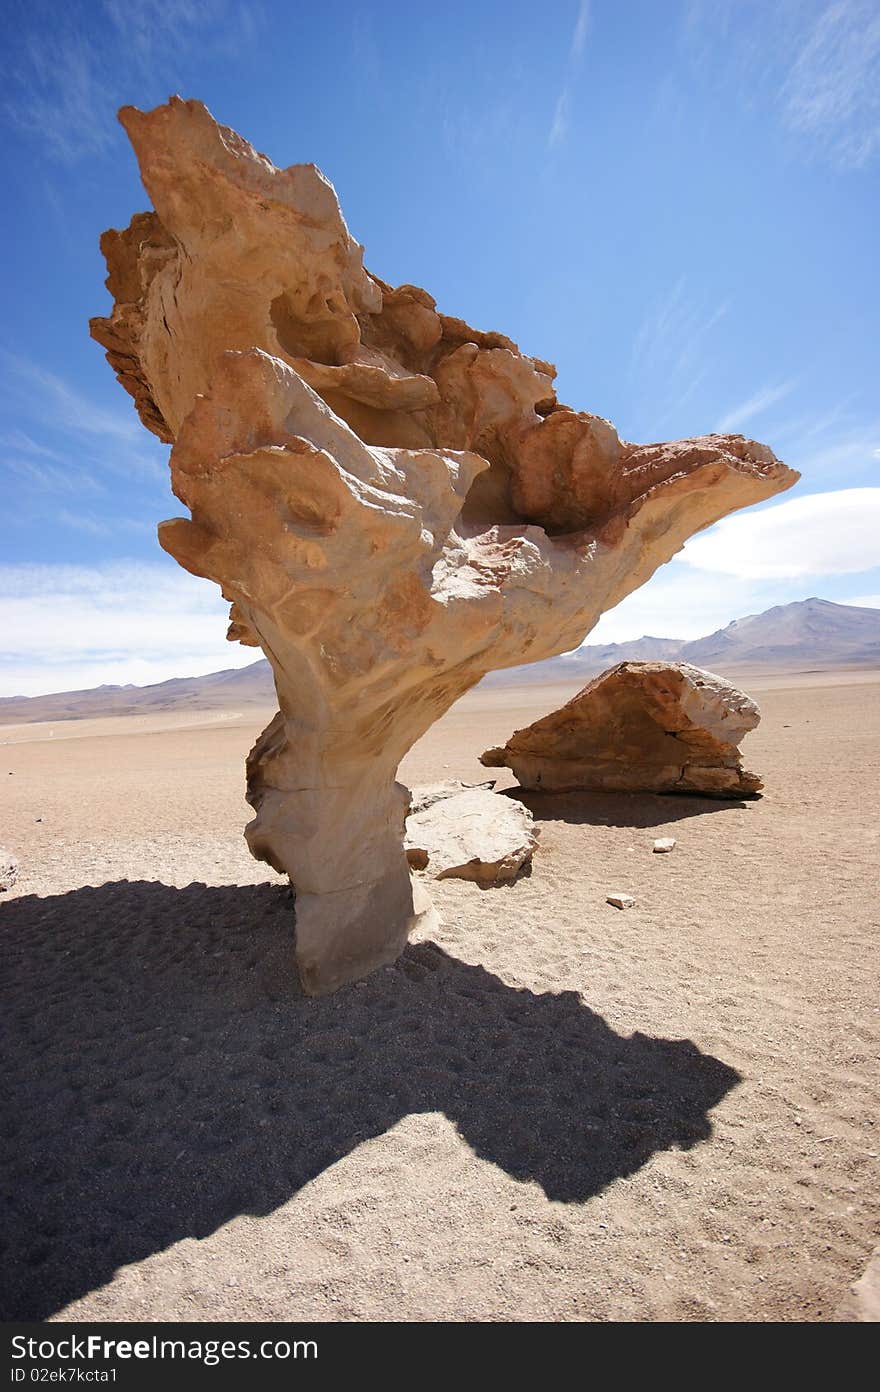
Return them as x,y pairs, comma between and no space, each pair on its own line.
393,502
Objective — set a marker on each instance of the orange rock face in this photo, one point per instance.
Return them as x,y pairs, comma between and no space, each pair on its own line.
641,727
394,503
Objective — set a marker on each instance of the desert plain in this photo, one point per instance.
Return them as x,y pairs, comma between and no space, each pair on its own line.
549,1109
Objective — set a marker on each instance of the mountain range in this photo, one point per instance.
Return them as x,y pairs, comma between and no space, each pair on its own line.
808,635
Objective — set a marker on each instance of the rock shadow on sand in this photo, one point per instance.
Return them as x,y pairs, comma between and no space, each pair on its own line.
634,811
166,1074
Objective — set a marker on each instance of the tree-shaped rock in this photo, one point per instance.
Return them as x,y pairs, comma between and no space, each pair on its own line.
393,502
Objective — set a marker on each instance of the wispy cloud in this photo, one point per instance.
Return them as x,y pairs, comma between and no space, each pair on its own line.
110,439
559,128
66,78
154,32
20,442
78,465
50,478
832,93
816,63
834,441
102,526
830,446
668,357
820,534
666,336
60,94
577,46
755,405
581,26
66,405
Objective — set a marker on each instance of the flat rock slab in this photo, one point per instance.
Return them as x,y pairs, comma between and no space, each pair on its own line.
473,835
425,797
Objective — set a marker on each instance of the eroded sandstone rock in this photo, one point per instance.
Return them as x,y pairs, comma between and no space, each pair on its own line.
658,727
393,502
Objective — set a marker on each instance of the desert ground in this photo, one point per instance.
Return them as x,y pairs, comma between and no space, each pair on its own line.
551,1110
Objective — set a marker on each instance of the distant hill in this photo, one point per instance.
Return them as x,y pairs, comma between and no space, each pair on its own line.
236,686
814,632
810,634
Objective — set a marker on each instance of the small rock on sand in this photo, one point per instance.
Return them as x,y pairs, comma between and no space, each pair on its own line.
664,844
621,901
8,870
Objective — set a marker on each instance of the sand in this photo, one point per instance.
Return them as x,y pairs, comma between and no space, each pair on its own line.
551,1110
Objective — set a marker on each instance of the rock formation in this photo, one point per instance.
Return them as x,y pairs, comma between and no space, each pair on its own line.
393,502
642,727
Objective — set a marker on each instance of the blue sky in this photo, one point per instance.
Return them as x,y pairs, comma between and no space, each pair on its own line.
675,201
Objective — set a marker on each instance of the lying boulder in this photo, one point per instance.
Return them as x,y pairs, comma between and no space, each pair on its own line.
473,835
657,727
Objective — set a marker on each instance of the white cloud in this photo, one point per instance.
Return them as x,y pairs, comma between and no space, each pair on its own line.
67,627
680,603
755,406
820,534
865,601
